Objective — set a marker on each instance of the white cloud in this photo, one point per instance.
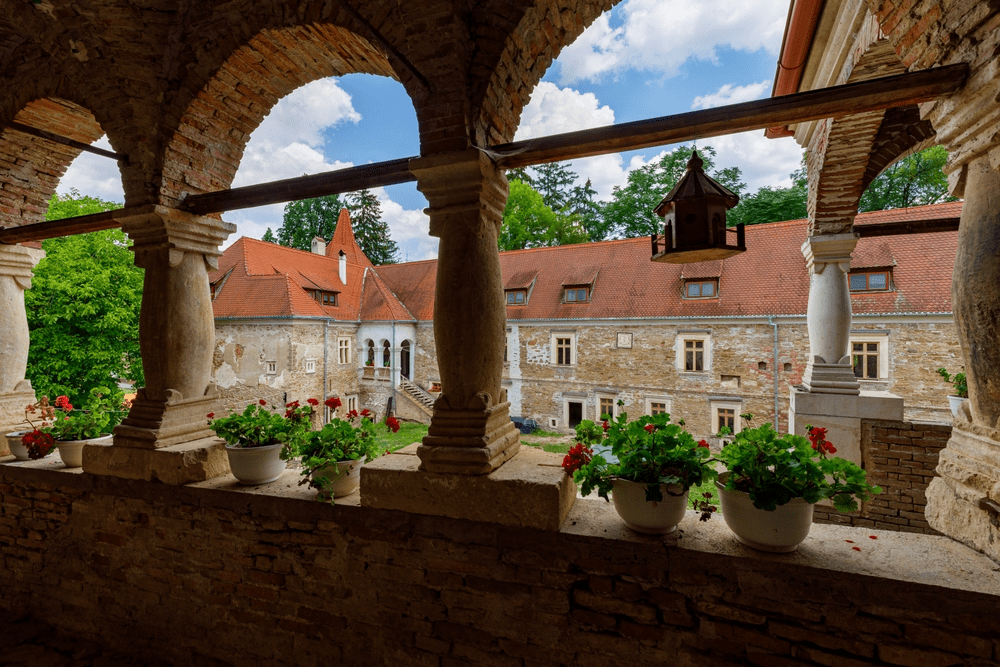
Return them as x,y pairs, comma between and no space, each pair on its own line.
554,110
731,94
660,35
408,228
763,161
302,115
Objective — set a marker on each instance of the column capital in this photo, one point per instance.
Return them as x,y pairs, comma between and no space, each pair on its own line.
159,229
824,249
458,186
18,261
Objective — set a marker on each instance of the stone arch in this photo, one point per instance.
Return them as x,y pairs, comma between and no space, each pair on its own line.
519,62
31,166
902,133
205,147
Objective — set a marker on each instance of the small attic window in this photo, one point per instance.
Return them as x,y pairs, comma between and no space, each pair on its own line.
576,294
517,297
324,298
701,289
870,281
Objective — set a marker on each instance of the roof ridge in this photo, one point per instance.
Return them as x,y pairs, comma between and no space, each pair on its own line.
383,286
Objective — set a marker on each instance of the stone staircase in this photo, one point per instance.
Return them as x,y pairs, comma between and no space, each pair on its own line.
420,397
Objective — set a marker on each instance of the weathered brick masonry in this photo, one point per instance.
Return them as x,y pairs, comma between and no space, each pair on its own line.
211,576
900,457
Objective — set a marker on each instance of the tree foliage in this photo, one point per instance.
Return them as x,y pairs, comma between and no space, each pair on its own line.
83,308
529,223
269,237
371,232
771,204
915,180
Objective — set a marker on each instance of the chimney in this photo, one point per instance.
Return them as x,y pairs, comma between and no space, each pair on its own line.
318,245
343,267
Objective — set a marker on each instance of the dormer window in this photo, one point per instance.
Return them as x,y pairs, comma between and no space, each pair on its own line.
869,281
324,298
576,294
701,289
517,297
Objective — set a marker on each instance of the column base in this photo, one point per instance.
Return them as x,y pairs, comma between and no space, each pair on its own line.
12,404
841,416
177,464
824,378
964,502
154,424
531,491
473,441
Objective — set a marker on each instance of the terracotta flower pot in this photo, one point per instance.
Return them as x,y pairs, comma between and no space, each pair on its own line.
255,465
654,518
344,478
777,531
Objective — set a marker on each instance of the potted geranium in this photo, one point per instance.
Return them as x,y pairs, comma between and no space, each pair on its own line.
961,387
773,481
261,438
656,464
64,427
332,456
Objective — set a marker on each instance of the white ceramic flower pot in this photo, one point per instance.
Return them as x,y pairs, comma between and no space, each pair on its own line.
71,451
344,478
255,465
778,531
19,451
654,518
955,402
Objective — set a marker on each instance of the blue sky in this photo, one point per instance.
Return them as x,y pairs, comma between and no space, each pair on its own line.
643,59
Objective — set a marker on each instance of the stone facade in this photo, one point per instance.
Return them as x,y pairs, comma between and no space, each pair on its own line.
208,575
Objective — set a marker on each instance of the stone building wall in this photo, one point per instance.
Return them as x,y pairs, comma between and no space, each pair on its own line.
210,575
900,457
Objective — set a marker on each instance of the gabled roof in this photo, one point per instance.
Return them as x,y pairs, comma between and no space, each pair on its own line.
769,279
269,280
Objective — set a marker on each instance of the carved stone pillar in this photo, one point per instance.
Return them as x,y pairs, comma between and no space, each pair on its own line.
166,435
828,317
470,432
964,502
16,263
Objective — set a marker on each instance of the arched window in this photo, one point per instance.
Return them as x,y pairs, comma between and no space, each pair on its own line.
386,353
370,356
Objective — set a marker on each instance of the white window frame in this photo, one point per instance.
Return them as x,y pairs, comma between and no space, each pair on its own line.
345,346
682,338
553,351
310,365
882,338
657,399
735,406
582,400
271,367
615,408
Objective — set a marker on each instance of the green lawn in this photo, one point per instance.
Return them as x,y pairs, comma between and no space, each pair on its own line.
696,491
409,433
557,448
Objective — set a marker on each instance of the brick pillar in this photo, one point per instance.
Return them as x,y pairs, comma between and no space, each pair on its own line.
470,432
964,502
166,435
828,318
16,264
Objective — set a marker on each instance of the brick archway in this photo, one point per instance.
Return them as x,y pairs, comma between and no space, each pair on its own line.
204,151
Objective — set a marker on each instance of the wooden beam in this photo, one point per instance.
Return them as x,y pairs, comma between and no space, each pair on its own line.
49,229
930,226
302,187
73,143
884,93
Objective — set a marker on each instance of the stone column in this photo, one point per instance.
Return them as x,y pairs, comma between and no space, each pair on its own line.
166,435
470,432
16,264
828,317
964,502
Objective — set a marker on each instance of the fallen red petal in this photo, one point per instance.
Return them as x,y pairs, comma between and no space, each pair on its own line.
856,548
851,541
872,537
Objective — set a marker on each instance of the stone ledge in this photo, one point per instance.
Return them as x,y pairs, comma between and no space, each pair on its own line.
530,490
178,464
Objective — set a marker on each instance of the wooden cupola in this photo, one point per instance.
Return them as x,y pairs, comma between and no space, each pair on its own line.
694,216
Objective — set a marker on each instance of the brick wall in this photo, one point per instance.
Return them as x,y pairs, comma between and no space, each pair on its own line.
209,575
900,457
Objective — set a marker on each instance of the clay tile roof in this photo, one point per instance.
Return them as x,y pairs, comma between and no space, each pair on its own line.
343,240
769,279
581,275
379,303
520,280
876,254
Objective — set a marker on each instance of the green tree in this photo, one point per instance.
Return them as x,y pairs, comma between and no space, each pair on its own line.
269,237
773,204
554,182
83,308
306,219
529,223
630,211
589,211
370,230
915,180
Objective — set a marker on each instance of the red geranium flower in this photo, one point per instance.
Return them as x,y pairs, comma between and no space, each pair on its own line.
333,402
211,415
649,428
312,401
365,413
392,423
605,425
576,458
263,402
703,443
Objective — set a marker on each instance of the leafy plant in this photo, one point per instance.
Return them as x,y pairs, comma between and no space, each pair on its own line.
774,469
260,425
957,381
650,450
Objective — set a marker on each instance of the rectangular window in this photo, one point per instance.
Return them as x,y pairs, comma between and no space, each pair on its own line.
564,351
517,297
657,408
606,407
324,298
869,281
865,357
694,355
310,365
700,289
576,294
344,349
726,419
